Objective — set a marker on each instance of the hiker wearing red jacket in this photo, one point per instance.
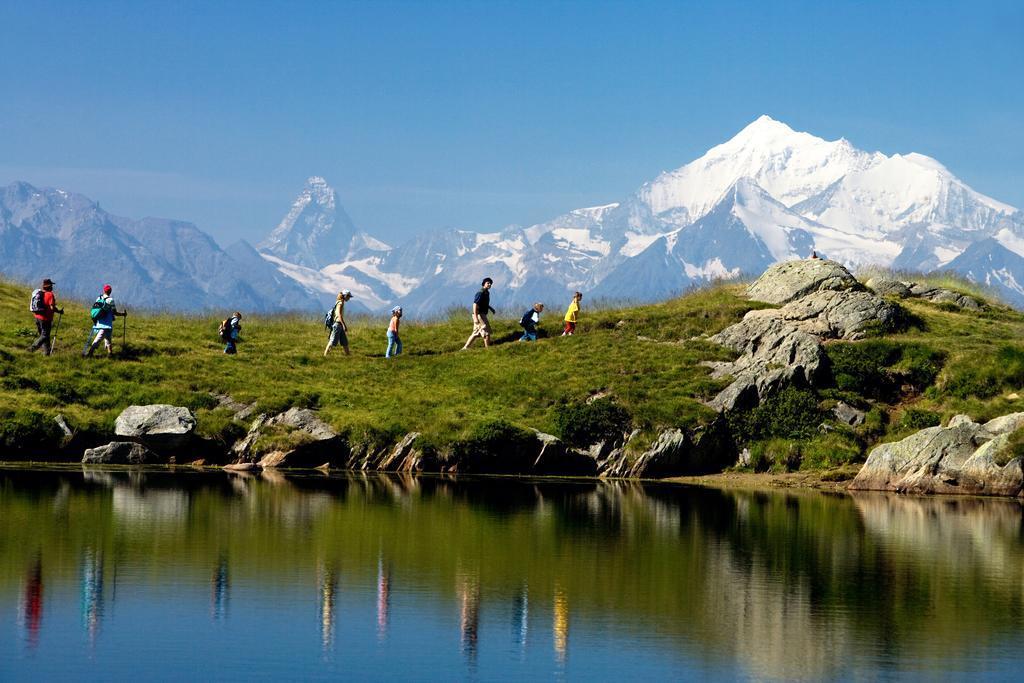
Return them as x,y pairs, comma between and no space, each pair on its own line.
43,306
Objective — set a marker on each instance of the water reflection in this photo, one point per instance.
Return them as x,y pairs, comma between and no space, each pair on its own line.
467,587
769,585
327,588
31,607
92,592
521,618
383,596
220,586
560,626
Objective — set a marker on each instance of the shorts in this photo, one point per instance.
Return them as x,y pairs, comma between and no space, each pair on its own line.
338,336
483,328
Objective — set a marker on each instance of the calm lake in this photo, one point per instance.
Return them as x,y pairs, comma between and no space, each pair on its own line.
118,574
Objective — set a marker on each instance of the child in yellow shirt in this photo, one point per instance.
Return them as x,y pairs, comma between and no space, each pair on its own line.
572,314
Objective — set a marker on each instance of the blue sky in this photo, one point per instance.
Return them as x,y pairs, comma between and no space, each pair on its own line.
427,115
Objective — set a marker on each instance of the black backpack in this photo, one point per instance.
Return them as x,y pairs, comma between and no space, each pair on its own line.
225,330
329,318
527,319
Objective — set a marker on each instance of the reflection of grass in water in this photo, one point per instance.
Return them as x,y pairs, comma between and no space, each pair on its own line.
776,579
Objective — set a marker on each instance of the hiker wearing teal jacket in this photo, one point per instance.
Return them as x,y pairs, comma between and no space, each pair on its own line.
103,314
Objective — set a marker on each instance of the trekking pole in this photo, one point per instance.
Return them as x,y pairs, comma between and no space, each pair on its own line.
56,328
88,339
124,332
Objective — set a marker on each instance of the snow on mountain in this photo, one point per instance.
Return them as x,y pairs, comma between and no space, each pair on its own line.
989,263
770,193
790,166
317,231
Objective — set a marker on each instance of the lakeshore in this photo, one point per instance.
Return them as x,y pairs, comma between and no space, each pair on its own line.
806,371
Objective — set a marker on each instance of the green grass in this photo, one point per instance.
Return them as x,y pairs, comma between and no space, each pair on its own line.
645,360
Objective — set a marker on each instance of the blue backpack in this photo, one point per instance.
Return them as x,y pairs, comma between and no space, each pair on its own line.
99,307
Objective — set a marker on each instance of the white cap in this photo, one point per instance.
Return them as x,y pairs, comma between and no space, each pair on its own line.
346,292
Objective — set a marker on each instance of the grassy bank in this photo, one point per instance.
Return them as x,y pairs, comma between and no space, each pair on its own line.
645,359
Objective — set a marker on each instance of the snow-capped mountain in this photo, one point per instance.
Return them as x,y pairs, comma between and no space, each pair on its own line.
768,194
317,232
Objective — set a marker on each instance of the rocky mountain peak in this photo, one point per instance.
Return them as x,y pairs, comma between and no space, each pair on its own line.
316,231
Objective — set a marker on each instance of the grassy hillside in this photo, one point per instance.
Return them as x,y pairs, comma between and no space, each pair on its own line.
644,358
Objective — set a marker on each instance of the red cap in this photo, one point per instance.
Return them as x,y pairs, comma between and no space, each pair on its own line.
107,289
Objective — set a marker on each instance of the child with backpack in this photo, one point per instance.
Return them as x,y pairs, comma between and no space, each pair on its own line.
103,314
529,322
394,341
229,331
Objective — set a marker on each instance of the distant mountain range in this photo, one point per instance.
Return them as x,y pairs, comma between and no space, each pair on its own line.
768,194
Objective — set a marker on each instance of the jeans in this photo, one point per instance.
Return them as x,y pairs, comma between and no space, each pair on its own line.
394,343
43,328
529,334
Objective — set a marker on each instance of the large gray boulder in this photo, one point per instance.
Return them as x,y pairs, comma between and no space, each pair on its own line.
160,426
789,280
774,353
888,286
940,295
783,347
841,314
122,453
963,457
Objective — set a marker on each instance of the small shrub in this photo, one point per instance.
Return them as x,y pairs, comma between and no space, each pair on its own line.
1014,449
790,414
875,421
25,430
840,447
582,424
879,368
778,455
916,418
495,446
220,425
